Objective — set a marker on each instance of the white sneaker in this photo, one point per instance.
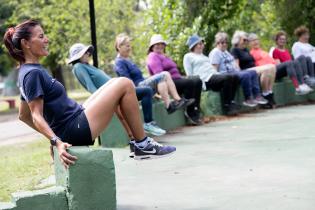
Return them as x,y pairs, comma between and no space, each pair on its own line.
250,103
303,90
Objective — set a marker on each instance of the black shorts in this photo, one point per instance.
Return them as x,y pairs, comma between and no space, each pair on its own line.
77,132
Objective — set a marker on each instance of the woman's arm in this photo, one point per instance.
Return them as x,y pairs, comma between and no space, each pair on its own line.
25,115
36,110
85,79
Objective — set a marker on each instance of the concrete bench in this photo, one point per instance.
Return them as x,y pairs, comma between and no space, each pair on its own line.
88,184
11,102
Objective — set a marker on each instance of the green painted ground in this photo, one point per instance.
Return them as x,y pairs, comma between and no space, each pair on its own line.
262,161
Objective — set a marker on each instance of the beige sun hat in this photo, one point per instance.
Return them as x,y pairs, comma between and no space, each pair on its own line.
77,51
155,39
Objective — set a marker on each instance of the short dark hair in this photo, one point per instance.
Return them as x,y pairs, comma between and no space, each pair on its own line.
299,31
280,33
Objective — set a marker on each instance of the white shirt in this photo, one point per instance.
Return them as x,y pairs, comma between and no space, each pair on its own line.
306,49
199,65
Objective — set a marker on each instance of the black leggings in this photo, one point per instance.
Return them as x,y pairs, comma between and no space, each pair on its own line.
227,84
190,87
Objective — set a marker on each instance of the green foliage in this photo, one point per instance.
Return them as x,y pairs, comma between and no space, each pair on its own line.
293,13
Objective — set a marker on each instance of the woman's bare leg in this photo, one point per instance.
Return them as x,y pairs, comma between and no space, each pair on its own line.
163,91
99,108
171,87
118,111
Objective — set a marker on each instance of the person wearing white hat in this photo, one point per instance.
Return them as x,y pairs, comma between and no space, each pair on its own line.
161,83
92,78
196,63
190,87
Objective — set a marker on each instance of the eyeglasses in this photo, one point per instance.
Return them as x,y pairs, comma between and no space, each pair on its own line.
223,42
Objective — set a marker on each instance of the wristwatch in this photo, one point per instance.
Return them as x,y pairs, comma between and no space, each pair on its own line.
53,140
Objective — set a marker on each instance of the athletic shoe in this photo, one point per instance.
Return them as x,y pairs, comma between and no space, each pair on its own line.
260,100
230,109
250,103
194,119
303,89
132,148
310,81
153,150
153,129
182,103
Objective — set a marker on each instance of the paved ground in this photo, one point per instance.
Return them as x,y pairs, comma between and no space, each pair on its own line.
265,161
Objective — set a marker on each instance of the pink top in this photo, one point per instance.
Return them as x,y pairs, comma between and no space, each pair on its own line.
261,57
157,63
282,55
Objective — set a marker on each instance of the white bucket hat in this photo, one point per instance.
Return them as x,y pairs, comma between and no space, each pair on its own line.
78,50
155,39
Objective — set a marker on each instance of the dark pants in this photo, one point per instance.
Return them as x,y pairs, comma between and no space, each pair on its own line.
306,65
288,69
190,87
249,81
227,84
145,94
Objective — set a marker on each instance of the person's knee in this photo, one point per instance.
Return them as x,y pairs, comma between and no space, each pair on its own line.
125,82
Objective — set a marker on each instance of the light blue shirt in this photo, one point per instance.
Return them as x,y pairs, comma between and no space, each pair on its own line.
199,65
224,60
90,77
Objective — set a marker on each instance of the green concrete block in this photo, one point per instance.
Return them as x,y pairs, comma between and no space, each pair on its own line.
165,120
211,103
114,135
49,199
90,182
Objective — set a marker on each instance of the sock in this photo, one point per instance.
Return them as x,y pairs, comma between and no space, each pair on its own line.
142,143
132,141
265,93
295,82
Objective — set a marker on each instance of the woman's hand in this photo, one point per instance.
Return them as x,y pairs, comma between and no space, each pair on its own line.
65,158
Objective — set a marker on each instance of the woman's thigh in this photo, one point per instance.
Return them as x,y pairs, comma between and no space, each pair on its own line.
99,110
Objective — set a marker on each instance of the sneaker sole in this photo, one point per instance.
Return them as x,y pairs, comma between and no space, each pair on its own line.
250,105
132,155
151,157
154,133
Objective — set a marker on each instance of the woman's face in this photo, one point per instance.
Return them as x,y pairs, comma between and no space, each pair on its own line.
86,57
159,48
223,45
125,49
199,47
305,37
243,42
37,45
282,41
254,43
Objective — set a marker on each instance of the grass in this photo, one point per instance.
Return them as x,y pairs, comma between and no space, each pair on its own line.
22,166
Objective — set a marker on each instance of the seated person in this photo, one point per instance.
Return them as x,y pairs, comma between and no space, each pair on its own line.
161,83
197,64
246,62
282,69
303,65
190,87
92,78
225,63
303,47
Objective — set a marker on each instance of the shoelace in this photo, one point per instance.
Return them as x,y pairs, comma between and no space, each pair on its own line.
151,141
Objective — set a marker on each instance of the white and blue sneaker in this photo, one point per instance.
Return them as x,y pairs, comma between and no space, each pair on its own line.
152,150
153,128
